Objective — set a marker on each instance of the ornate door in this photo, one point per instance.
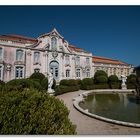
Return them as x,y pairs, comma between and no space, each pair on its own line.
54,67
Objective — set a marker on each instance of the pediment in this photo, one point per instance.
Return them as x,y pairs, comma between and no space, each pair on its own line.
54,32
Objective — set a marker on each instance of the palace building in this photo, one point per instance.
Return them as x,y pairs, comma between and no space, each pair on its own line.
21,56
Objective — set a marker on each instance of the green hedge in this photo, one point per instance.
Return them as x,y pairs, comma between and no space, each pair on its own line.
101,79
64,89
87,84
101,86
113,79
37,76
115,85
20,84
33,112
70,82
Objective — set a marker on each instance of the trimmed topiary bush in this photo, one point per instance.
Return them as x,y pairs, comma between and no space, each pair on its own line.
113,79
37,76
64,89
64,82
131,81
86,84
101,86
99,73
101,79
33,112
114,82
66,86
20,84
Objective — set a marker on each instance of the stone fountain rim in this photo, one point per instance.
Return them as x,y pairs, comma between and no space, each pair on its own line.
81,96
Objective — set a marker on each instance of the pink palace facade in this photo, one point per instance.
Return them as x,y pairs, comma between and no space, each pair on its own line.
21,56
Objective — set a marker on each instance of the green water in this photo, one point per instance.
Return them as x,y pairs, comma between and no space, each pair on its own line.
121,107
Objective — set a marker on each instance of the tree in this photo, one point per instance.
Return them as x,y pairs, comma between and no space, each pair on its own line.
100,77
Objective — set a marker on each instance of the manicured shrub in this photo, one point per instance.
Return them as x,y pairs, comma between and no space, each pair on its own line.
99,73
114,82
20,84
2,83
131,81
115,85
101,79
33,112
113,79
64,82
86,84
64,89
37,76
101,86
79,81
72,82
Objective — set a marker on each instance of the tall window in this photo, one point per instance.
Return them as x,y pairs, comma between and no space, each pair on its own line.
78,73
67,60
36,70
19,55
19,72
0,53
88,73
78,60
1,73
53,43
36,57
67,73
87,61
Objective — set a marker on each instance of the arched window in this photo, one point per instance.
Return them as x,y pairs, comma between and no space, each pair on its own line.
36,57
54,43
67,73
19,72
1,53
19,55
88,73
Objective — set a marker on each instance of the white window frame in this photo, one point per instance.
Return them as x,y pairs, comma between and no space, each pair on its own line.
22,55
87,60
77,60
68,73
88,73
1,73
67,59
23,72
54,45
38,59
78,73
2,53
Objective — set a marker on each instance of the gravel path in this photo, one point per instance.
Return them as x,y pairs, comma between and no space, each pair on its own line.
90,126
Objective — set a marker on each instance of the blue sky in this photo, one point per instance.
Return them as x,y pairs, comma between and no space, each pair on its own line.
109,31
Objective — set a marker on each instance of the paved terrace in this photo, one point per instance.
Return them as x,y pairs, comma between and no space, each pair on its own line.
90,126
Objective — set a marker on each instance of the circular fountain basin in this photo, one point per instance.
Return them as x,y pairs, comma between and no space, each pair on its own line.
112,106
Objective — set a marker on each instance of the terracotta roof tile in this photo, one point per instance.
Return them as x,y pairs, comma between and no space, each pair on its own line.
98,59
76,49
18,38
